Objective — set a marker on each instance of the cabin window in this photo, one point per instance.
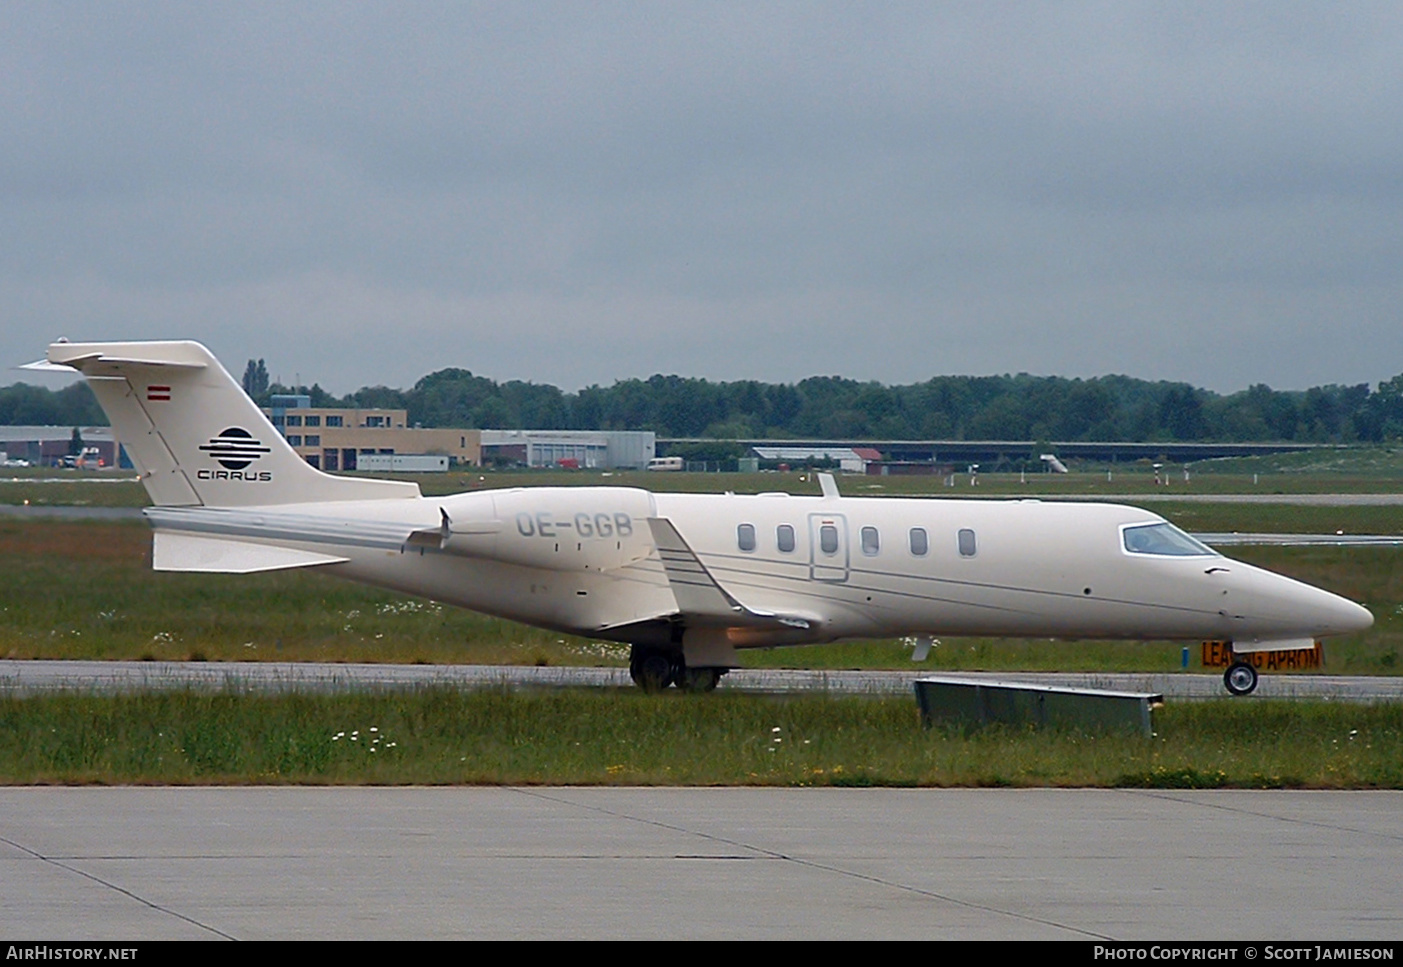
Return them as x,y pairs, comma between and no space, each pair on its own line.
871,543
828,539
1162,539
784,537
967,546
920,544
745,537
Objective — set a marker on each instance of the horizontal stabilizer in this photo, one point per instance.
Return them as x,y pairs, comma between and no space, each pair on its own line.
44,366
99,359
174,551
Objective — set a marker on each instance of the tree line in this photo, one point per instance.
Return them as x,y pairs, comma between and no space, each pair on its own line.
1021,407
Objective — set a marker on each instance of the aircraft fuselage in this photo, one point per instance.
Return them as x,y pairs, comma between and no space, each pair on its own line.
585,560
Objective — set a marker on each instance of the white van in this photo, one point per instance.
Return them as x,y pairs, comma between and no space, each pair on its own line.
665,463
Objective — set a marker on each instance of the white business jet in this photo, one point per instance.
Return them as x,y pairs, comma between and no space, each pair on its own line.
687,580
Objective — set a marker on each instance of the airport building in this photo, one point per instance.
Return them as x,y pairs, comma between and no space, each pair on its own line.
579,449
338,438
848,459
47,446
335,438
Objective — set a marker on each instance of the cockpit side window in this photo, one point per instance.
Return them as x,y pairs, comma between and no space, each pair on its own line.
1163,540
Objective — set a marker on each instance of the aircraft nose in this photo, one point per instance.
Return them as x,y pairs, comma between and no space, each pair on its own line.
1322,613
1278,605
1346,617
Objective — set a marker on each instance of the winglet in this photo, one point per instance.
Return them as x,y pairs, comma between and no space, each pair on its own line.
828,485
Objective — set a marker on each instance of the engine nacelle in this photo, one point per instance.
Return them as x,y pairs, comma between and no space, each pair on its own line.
560,528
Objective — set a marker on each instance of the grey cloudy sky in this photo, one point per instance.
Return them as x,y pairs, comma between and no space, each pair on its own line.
580,192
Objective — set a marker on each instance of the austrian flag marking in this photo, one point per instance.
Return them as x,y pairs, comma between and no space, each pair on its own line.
158,394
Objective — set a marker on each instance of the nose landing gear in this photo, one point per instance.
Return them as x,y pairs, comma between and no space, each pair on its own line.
1240,678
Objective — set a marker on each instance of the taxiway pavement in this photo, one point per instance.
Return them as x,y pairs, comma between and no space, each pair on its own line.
31,676
674,864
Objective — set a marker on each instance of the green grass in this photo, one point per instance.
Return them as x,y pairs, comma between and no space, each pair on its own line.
1279,518
106,491
86,591
611,736
1333,470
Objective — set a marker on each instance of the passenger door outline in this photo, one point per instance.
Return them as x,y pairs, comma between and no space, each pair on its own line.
822,566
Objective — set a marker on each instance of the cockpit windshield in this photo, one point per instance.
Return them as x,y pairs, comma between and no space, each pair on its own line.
1163,539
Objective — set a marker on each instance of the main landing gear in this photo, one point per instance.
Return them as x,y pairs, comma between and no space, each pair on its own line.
1240,678
654,669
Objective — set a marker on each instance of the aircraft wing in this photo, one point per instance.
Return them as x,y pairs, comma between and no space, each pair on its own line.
700,597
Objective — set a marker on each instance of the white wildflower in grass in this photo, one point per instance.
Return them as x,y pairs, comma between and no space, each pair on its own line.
601,649
408,607
375,740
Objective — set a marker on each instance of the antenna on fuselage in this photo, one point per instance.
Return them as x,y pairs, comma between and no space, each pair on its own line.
828,485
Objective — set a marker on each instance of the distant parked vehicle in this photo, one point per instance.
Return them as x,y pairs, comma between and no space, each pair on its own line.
90,457
665,463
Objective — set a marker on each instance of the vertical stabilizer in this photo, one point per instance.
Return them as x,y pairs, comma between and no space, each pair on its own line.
195,436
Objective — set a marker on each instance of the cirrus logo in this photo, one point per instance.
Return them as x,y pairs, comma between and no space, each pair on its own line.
235,448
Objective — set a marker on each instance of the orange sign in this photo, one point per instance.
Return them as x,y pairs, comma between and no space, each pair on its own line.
1219,654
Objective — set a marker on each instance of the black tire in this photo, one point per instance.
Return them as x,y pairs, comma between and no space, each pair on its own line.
699,679
1240,678
651,671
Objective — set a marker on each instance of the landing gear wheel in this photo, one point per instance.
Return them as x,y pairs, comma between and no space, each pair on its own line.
699,679
652,671
1240,678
